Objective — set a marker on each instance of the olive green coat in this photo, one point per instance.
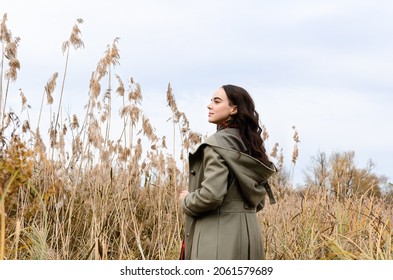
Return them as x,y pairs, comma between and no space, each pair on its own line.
226,190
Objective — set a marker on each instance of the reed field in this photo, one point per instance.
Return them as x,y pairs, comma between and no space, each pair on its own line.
96,196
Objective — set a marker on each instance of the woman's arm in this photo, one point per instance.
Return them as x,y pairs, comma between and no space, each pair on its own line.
210,194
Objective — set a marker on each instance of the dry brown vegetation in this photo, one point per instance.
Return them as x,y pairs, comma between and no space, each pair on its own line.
104,198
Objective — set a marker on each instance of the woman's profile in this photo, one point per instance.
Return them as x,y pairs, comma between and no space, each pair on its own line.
227,182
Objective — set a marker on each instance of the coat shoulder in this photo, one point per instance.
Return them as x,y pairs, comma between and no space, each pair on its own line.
228,138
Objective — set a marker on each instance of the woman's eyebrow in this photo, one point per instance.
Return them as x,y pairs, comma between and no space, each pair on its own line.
216,98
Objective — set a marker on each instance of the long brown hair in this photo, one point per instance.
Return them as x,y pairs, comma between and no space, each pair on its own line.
248,121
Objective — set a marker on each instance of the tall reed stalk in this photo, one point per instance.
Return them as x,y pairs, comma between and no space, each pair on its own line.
9,50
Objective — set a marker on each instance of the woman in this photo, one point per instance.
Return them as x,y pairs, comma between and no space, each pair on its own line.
227,183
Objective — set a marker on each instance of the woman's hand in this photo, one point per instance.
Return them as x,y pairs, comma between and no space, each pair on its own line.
182,195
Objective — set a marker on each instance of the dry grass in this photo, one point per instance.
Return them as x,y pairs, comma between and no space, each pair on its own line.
312,224
105,198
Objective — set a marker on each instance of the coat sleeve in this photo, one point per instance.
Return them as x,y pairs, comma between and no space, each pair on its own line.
210,194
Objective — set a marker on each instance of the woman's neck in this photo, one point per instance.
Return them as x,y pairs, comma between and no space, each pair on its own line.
228,124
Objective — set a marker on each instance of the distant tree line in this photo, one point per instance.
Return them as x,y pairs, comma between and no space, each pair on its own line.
339,173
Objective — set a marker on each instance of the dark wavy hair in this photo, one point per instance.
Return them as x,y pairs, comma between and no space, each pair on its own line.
248,121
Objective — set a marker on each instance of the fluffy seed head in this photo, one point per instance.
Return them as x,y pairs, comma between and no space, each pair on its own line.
50,87
5,34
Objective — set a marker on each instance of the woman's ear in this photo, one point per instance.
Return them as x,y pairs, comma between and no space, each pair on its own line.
234,110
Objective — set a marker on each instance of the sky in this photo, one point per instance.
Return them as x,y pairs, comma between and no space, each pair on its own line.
325,67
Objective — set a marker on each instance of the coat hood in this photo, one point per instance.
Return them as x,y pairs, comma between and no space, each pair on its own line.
251,174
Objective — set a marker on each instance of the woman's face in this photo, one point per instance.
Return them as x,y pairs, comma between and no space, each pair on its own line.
220,110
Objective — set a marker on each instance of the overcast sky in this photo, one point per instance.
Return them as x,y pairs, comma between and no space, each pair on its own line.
324,66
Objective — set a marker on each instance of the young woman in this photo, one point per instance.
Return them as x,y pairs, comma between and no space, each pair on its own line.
227,183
